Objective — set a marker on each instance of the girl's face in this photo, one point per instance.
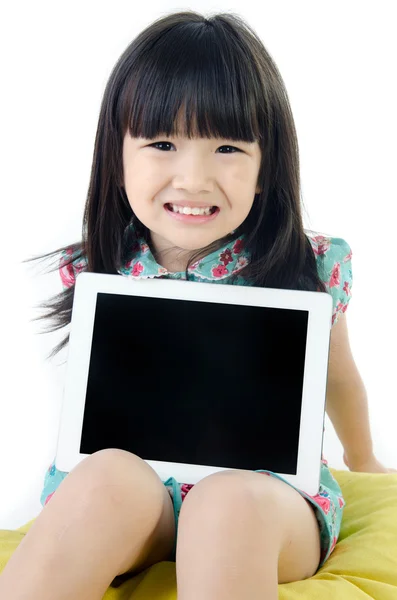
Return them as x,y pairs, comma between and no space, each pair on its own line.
198,173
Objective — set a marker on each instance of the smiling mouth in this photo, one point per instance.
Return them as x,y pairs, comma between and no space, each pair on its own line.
194,211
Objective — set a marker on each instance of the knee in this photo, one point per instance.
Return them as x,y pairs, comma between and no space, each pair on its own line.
230,493
118,478
117,467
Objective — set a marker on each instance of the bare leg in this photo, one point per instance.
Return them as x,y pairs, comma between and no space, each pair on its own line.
111,514
241,533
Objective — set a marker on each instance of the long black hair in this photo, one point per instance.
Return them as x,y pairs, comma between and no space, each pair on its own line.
218,71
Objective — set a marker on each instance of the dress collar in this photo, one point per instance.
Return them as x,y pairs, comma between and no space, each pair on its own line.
224,262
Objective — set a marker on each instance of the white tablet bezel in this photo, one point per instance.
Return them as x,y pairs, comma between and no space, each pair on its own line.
318,304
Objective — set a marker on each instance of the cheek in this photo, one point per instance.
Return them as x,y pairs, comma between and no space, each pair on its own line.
138,184
145,178
243,177
242,206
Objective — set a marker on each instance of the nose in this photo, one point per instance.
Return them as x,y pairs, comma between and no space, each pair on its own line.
194,174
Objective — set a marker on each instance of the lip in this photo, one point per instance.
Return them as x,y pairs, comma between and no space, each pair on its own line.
191,204
193,219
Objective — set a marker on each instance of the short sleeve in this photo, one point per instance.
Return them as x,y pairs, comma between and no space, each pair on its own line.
53,478
70,265
333,256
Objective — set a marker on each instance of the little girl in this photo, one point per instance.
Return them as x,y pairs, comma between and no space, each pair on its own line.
222,207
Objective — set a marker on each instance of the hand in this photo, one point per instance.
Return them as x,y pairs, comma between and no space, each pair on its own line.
369,465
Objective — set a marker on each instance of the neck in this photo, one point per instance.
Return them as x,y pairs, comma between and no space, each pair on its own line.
173,259
170,257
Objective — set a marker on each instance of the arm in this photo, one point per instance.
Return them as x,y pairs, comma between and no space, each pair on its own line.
347,403
347,407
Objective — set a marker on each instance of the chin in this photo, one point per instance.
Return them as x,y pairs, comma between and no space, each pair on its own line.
195,241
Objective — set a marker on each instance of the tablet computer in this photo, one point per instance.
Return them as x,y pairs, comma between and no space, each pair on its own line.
195,378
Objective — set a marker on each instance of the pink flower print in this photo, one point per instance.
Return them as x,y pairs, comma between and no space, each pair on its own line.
322,244
348,256
242,261
162,271
238,246
219,271
346,288
67,275
333,543
48,498
341,502
323,502
144,248
335,276
69,272
325,462
226,257
185,488
194,265
339,307
137,269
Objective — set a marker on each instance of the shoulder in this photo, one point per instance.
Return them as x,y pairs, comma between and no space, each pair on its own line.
71,262
328,248
333,257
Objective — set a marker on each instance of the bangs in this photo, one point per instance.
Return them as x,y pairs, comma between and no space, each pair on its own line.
193,81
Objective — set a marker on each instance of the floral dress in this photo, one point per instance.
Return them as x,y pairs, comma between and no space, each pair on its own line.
333,256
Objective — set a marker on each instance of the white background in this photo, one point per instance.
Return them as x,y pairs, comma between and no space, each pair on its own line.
338,61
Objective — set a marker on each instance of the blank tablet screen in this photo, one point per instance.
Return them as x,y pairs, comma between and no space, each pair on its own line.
196,382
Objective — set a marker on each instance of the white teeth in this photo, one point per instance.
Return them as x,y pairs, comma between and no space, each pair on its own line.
186,210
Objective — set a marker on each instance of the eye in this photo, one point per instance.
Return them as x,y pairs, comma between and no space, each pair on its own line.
225,146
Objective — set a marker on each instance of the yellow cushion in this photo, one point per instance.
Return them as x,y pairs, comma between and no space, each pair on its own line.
363,564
